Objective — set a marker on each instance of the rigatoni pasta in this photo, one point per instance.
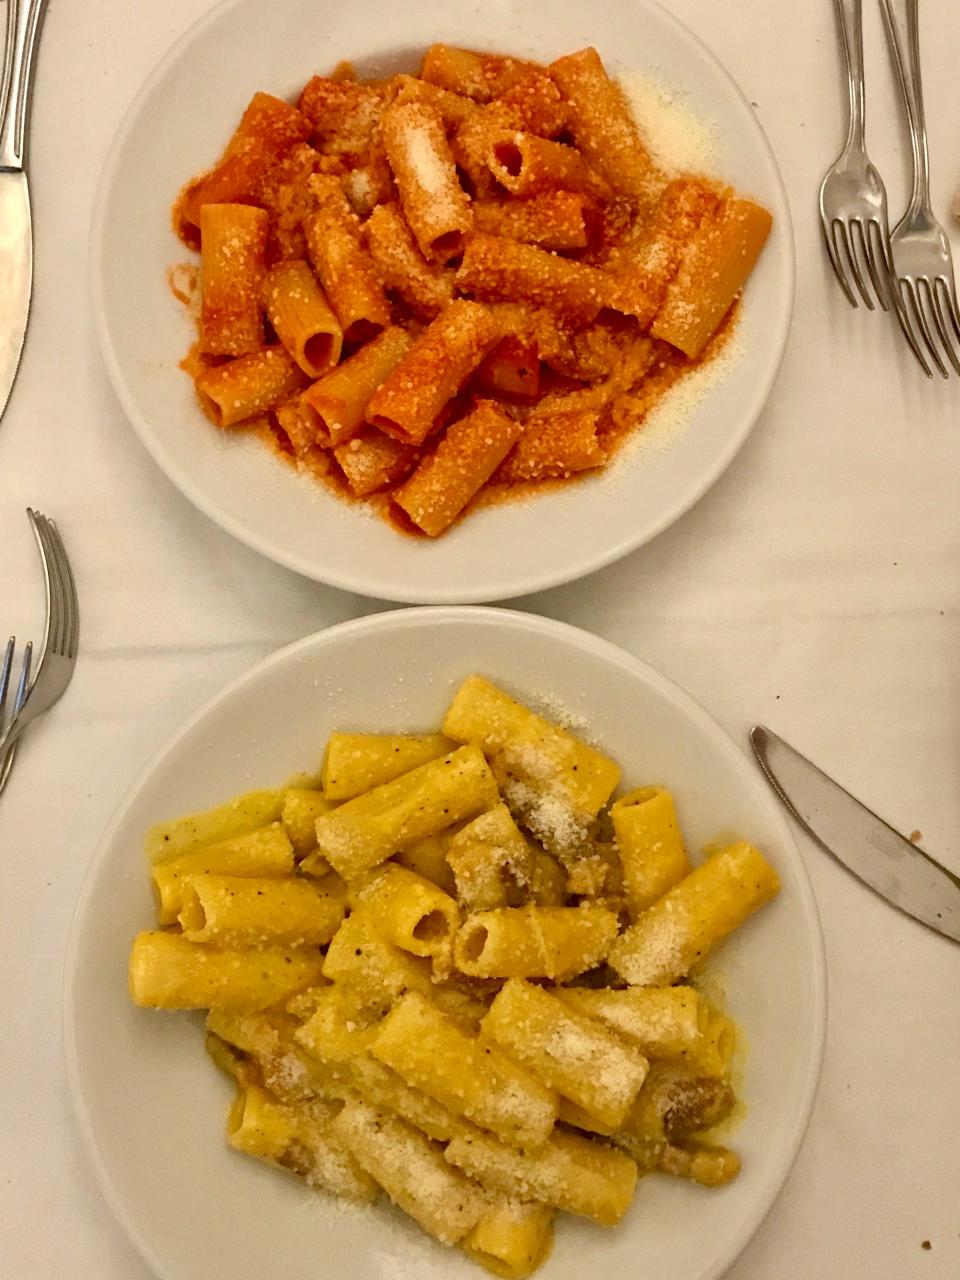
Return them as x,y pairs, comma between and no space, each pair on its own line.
332,232
434,204
234,238
409,401
434,973
302,318
459,467
342,265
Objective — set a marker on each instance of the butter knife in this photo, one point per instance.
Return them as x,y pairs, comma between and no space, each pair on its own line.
16,231
881,857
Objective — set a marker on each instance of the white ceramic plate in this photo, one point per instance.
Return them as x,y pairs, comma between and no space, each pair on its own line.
152,1108
178,125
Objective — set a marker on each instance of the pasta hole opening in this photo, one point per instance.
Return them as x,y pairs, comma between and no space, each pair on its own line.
725,1043
210,408
236,1114
513,884
193,918
447,246
433,927
324,429
318,352
388,426
509,157
474,943
361,331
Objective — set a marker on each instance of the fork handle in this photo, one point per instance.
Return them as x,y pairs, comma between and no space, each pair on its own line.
22,34
850,18
902,22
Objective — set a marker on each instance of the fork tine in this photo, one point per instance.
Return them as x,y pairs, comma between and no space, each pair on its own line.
34,517
953,311
834,256
71,603
23,683
5,674
855,265
933,302
57,594
876,262
23,689
900,309
860,242
917,311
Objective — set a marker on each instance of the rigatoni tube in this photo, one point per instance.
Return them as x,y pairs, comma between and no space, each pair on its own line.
496,269
424,286
339,399
342,264
412,1171
534,942
580,1058
459,467
237,911
432,1052
568,1171
715,267
512,1238
233,392
651,847
602,125
302,318
356,762
167,971
267,852
234,239
299,1139
434,203
663,1022
365,831
674,935
413,912
409,402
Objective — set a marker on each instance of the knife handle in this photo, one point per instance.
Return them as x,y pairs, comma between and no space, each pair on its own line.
23,32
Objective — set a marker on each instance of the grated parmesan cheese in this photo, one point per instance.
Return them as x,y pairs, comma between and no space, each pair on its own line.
678,140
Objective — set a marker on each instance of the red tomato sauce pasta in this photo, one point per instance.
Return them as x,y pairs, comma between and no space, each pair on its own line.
436,289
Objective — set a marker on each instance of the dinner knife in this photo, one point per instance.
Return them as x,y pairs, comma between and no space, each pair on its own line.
16,230
881,857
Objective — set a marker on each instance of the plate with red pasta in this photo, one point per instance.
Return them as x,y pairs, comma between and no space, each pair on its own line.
435,316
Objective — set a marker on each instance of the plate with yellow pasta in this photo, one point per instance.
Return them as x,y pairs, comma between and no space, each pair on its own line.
478,947
518,296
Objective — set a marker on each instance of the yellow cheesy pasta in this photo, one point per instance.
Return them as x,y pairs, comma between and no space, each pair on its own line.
356,762
458,966
431,1052
651,848
267,852
364,831
512,1238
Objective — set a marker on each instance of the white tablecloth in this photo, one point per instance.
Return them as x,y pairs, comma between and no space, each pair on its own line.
815,588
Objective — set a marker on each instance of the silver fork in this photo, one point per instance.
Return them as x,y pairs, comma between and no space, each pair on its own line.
25,682
853,199
63,635
923,263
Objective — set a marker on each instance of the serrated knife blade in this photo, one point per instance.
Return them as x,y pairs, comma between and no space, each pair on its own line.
870,848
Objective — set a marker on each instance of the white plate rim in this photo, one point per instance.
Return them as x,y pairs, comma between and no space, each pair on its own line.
369,584
587,642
